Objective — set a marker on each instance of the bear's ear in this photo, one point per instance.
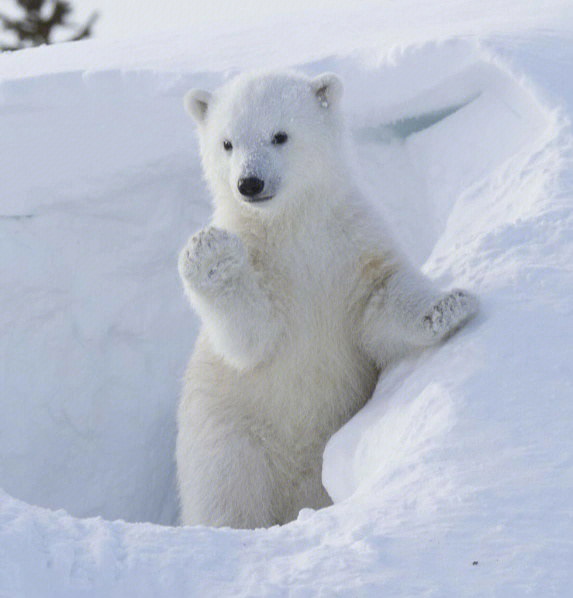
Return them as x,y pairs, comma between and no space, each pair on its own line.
327,88
196,104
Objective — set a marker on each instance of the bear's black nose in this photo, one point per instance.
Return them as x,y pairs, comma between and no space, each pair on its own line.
250,186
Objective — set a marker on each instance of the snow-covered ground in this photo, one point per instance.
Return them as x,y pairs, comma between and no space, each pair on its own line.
457,477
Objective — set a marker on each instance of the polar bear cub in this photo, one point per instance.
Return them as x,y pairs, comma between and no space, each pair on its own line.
303,296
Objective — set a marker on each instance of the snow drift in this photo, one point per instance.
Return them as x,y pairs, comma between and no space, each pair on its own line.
462,456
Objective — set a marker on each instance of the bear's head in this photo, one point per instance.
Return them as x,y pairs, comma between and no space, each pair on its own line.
269,140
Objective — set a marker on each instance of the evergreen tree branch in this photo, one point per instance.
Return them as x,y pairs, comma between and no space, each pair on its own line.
34,29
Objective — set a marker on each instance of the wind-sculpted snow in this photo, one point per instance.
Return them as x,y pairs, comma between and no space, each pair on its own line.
454,480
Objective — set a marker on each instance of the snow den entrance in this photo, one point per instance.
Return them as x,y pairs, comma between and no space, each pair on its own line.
95,331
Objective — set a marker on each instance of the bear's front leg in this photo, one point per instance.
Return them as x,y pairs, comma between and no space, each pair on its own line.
406,311
228,295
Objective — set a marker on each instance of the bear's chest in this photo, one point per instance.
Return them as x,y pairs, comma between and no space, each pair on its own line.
313,293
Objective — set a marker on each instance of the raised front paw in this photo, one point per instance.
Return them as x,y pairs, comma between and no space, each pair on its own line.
212,258
448,313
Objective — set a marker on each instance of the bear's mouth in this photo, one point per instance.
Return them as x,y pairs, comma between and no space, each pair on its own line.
258,199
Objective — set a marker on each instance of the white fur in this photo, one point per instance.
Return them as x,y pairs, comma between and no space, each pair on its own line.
303,297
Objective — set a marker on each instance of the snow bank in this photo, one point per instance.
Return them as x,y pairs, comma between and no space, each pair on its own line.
464,453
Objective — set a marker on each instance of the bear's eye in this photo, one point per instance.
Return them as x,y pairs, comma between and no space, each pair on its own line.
227,145
280,138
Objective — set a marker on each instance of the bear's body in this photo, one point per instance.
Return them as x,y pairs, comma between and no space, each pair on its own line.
303,296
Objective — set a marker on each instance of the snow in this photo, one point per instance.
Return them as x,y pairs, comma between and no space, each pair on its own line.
460,121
